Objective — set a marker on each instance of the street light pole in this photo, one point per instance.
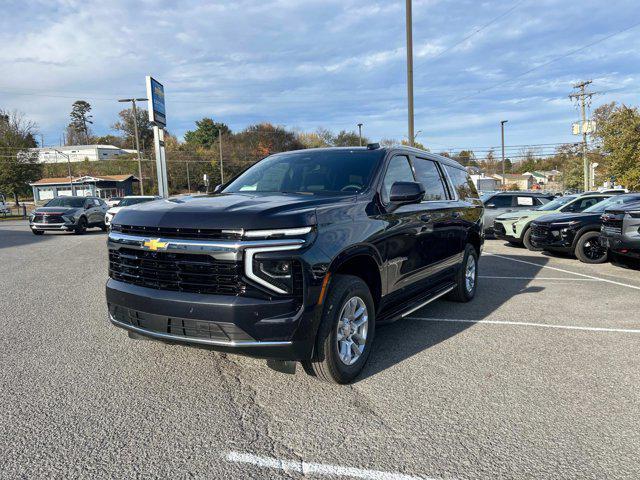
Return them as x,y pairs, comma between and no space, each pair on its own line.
409,27
360,132
68,168
503,169
135,130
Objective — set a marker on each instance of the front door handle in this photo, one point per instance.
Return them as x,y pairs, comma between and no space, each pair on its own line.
426,218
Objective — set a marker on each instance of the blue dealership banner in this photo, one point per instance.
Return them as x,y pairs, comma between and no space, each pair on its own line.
155,94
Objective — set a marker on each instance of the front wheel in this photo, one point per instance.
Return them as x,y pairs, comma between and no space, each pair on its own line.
346,331
81,227
589,248
466,278
526,240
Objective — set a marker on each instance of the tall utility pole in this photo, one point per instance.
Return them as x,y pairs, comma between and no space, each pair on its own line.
360,133
581,96
503,169
410,72
221,168
135,130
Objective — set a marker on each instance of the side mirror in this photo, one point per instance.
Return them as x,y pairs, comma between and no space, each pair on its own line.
218,188
490,205
406,192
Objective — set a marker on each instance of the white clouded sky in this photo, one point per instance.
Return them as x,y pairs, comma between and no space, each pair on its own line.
332,63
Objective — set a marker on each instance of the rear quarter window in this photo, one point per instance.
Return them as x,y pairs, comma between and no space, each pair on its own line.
462,183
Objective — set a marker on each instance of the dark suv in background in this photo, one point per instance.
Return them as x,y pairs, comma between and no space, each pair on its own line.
300,257
578,233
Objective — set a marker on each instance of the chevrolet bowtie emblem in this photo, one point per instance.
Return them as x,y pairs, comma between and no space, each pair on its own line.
154,244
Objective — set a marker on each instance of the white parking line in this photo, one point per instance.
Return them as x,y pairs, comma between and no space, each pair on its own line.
527,324
542,278
564,271
307,468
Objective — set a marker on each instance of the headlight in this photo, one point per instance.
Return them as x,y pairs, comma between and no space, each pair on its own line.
69,218
634,213
277,274
281,232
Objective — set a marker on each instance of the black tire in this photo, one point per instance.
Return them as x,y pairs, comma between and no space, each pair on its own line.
104,227
326,363
81,227
37,232
589,249
526,240
462,293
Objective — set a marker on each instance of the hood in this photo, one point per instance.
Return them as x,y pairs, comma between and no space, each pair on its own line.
569,217
516,214
231,211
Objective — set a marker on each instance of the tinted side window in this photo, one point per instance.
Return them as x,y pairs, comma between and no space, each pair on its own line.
398,170
428,174
462,183
501,201
96,202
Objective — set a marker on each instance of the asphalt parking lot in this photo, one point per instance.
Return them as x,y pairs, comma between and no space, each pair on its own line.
538,377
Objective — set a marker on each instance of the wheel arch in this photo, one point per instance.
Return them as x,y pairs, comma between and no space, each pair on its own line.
363,261
582,231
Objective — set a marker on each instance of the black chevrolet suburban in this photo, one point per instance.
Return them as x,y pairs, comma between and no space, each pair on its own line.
300,257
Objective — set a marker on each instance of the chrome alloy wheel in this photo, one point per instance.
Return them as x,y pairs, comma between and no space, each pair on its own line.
351,335
470,274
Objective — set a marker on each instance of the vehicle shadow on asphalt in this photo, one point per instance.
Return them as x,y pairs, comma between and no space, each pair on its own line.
399,341
19,237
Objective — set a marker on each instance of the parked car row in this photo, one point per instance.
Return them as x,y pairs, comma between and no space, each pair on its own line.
76,214
592,226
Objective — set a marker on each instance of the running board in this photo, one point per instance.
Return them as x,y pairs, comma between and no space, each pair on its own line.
421,302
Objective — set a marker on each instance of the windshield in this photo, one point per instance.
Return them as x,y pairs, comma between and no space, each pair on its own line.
612,202
75,202
125,202
312,172
557,203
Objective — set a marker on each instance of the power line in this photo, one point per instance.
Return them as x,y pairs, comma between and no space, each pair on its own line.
553,60
478,30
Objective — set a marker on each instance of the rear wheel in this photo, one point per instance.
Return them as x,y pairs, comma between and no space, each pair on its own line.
589,248
467,277
81,227
346,331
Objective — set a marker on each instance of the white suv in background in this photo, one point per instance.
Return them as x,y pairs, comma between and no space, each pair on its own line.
126,202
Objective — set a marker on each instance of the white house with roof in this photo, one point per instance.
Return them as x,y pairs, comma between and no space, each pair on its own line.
80,153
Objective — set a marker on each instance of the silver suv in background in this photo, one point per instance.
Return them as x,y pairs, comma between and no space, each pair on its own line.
620,230
496,204
69,214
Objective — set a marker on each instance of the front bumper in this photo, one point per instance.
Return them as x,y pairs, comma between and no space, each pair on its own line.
275,329
501,232
66,226
556,239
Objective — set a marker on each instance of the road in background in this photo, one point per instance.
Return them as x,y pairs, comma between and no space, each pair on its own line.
527,395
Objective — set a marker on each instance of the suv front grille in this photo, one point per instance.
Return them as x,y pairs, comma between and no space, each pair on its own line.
185,233
176,271
541,231
40,218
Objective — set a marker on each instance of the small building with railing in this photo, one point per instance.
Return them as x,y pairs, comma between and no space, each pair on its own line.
103,186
